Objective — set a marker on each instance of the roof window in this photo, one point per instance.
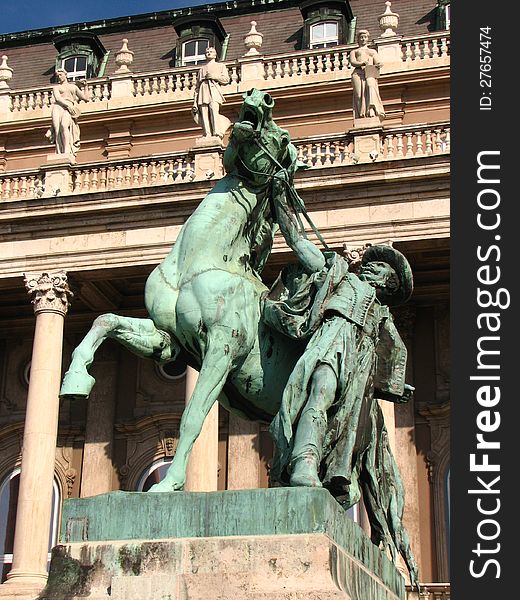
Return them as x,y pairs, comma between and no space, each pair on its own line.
195,34
82,55
326,23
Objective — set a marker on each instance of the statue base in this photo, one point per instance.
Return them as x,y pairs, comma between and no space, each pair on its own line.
60,160
269,544
210,141
367,122
208,158
58,177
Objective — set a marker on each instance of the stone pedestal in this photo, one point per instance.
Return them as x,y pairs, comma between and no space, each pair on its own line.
389,50
367,139
5,105
57,174
251,74
278,544
208,153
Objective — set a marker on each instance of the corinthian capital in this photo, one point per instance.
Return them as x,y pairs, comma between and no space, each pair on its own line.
49,292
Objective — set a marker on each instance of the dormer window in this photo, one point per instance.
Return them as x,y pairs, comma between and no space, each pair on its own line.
324,35
82,55
326,23
76,67
194,51
196,33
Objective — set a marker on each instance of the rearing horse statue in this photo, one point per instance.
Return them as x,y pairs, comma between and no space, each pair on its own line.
204,299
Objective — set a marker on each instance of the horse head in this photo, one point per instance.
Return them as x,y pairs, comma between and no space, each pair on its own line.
258,148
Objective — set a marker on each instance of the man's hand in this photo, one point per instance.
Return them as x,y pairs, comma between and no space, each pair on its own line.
408,392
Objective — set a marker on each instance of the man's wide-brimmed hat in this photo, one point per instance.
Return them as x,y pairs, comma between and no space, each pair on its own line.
399,264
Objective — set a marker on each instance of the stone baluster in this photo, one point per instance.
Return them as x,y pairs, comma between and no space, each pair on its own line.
50,297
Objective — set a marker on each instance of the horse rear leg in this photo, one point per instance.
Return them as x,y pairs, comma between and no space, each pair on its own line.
216,366
140,336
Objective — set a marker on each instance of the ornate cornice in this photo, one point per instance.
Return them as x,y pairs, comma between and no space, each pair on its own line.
49,291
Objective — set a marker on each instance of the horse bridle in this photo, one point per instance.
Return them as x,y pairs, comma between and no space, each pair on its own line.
295,201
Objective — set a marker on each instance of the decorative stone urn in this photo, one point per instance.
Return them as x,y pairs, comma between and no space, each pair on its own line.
388,21
253,41
6,73
124,58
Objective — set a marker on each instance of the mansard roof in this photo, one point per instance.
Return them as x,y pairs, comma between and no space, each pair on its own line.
152,36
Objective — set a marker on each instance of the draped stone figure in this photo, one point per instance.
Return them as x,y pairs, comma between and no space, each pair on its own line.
366,99
64,131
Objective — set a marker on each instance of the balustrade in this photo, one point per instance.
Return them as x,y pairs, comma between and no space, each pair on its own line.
413,142
133,173
41,98
20,186
308,64
426,48
327,64
326,151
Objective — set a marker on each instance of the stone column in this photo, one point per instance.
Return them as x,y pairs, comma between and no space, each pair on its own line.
98,470
50,296
202,472
406,457
388,410
243,454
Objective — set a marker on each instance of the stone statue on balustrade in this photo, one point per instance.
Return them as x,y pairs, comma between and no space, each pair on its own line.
366,99
208,97
304,356
64,131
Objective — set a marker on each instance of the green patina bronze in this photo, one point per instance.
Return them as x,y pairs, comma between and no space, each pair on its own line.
129,533
306,356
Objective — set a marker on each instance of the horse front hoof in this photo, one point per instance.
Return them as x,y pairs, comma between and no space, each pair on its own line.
76,385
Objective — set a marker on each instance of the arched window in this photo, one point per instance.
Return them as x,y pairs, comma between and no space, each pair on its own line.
81,54
76,67
8,502
194,52
324,34
194,35
153,474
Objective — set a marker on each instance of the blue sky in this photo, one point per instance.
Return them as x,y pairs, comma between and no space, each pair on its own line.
21,15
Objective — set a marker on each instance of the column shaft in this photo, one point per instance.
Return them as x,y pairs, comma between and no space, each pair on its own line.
39,448
243,454
202,472
98,470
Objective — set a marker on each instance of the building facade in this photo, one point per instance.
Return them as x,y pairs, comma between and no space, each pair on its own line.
104,219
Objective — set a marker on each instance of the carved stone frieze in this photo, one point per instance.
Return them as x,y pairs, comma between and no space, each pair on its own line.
354,255
49,291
